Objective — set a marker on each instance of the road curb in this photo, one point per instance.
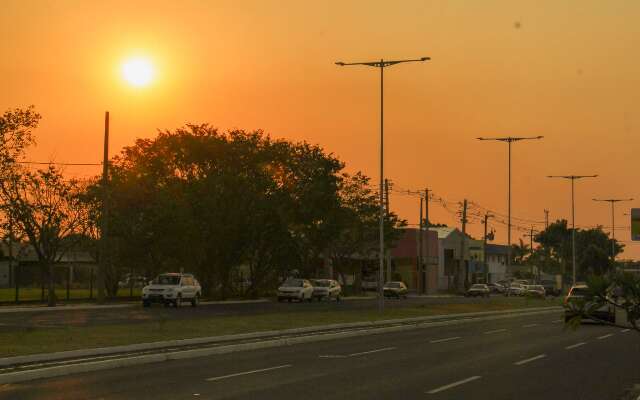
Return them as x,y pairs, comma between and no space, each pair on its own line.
408,324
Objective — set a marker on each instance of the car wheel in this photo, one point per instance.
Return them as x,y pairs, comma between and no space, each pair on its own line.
338,298
289,299
178,302
146,304
195,301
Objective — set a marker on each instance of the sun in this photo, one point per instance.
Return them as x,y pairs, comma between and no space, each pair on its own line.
138,71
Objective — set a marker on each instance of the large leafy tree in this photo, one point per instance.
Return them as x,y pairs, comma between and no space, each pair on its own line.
205,201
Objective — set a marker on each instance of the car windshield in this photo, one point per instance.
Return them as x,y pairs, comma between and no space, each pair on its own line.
293,283
167,280
321,283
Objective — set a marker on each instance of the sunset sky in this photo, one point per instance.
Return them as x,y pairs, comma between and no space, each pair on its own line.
568,70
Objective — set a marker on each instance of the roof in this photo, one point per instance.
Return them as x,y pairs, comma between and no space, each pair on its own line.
496,249
443,232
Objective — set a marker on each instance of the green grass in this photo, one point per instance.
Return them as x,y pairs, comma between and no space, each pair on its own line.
32,340
34,294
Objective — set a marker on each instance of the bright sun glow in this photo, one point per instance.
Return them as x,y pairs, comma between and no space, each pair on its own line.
138,71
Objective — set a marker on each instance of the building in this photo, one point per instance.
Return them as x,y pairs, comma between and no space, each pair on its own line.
449,255
404,258
496,260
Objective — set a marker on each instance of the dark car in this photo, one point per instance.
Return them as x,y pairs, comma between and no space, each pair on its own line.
496,287
580,296
395,289
550,288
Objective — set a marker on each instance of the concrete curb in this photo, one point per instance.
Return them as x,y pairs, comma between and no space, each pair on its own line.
101,351
375,328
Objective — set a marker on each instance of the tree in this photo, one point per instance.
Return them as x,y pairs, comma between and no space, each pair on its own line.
618,292
520,252
46,209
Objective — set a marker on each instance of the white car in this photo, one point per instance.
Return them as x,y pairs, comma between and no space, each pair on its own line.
172,289
516,289
295,289
326,289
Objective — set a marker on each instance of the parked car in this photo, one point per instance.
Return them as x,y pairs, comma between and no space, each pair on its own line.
295,289
551,288
326,289
172,289
395,289
496,287
478,289
515,289
535,291
579,296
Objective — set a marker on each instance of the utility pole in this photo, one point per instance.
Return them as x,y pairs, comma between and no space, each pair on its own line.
427,223
484,248
16,273
613,223
546,219
420,260
386,191
462,270
573,179
531,246
509,140
382,64
104,225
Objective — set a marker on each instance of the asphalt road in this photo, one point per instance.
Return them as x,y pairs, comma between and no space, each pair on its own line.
532,357
70,317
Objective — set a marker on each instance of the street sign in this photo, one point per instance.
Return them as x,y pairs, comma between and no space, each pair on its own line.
635,224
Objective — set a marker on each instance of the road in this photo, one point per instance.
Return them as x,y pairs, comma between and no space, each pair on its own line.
70,317
532,357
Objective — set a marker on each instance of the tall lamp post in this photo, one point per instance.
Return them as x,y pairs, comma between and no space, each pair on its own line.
573,179
613,223
509,140
382,64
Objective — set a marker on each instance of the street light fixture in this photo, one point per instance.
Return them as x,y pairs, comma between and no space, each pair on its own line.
573,214
613,223
382,64
509,140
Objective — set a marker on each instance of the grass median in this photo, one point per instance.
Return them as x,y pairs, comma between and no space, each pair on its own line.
49,340
30,294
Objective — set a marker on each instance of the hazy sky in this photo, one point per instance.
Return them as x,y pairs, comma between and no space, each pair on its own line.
568,70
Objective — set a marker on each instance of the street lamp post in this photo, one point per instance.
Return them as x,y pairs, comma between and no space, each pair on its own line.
573,215
509,140
382,64
613,223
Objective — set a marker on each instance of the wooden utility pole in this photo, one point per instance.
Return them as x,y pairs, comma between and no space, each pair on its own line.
104,225
386,191
425,272
484,248
462,269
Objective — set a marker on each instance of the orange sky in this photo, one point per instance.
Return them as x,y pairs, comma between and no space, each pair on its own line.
566,70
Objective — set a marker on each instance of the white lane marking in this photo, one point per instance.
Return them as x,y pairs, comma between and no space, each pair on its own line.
625,330
528,360
495,331
371,351
573,346
255,371
608,335
529,325
452,385
557,321
445,339
357,354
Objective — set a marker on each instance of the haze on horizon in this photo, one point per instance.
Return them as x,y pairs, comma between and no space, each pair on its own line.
567,71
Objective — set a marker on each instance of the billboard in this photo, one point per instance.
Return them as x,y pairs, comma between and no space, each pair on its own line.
635,224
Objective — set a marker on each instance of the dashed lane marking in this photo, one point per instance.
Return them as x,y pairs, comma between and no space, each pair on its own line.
452,385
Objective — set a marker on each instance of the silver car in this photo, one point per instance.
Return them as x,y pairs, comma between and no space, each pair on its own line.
326,289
